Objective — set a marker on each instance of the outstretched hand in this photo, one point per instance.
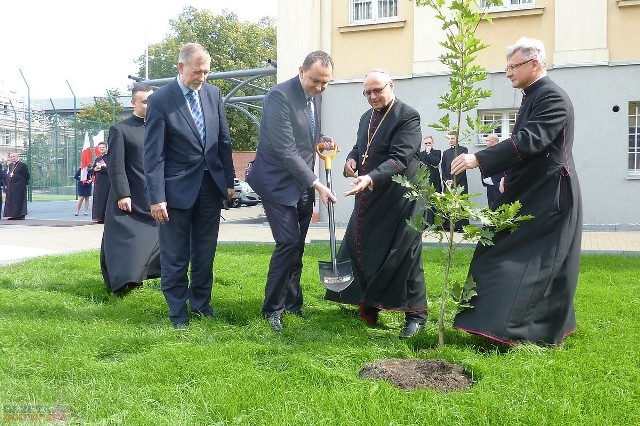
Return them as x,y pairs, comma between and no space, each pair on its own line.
359,184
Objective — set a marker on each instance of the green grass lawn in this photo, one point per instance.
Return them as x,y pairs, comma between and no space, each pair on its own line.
68,345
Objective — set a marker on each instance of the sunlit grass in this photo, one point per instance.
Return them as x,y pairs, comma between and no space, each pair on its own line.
68,344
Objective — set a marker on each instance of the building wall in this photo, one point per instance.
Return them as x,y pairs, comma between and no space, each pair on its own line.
592,52
610,199
623,18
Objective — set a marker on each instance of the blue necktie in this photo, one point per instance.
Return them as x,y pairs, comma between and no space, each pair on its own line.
196,113
312,113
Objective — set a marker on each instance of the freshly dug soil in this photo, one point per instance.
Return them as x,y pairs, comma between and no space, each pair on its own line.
411,374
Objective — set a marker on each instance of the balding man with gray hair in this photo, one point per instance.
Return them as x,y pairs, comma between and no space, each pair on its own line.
385,253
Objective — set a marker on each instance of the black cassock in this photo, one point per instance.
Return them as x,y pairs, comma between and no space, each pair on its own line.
526,281
130,252
15,204
432,160
461,180
101,188
3,178
385,254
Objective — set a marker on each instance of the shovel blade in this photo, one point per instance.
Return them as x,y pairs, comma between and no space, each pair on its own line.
338,280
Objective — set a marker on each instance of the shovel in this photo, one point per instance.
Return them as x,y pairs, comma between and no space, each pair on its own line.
334,275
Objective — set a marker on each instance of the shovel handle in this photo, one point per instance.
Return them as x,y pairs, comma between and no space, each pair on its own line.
327,157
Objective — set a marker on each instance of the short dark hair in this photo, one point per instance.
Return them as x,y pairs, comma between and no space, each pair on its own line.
313,57
141,87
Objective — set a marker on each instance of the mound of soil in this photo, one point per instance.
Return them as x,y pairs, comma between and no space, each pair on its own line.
411,374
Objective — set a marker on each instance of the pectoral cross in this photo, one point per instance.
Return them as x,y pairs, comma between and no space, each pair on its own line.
364,158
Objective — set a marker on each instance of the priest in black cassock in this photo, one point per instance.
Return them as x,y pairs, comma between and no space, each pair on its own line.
101,184
431,158
385,253
130,252
526,282
447,177
15,204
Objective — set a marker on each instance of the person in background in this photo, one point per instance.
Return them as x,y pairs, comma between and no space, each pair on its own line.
83,190
282,174
100,184
3,178
130,252
526,281
17,179
431,158
447,176
189,171
385,253
492,183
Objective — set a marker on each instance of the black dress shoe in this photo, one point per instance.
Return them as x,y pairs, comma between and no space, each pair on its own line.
275,322
410,329
180,325
297,313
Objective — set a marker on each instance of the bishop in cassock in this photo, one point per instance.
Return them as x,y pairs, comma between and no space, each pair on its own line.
385,253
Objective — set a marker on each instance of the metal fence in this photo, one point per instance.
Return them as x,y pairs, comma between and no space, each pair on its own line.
50,146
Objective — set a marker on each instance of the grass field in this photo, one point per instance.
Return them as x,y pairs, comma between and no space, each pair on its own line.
70,349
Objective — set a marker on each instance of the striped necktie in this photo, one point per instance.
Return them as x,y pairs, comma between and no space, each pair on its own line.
312,114
196,113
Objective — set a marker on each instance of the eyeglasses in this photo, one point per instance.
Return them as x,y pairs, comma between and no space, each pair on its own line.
514,66
376,92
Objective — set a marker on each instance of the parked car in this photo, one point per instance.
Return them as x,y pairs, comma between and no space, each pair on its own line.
236,200
247,195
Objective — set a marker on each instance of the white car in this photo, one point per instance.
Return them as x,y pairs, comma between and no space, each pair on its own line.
248,195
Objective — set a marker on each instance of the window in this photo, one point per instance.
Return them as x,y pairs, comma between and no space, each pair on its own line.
503,120
7,137
509,4
372,10
634,139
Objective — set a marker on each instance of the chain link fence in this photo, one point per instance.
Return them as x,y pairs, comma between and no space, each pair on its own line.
51,147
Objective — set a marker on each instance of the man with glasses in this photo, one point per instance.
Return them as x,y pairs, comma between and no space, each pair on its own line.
385,253
526,282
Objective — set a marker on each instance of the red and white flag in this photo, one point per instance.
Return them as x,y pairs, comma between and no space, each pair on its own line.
86,159
99,138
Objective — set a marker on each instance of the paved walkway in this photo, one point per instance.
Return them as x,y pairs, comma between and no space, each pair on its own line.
51,228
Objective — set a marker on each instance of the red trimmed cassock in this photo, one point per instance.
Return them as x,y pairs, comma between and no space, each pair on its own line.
526,282
385,253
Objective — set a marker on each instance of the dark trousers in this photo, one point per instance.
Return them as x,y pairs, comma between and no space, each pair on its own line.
289,226
190,237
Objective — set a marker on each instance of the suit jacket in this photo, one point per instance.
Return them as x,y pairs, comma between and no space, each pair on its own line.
286,152
174,156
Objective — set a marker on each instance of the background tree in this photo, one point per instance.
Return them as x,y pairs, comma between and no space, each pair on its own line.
102,113
232,44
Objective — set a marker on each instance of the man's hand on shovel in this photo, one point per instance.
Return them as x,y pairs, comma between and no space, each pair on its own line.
325,193
326,144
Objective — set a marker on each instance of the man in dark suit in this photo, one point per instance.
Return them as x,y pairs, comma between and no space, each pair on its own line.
282,174
189,171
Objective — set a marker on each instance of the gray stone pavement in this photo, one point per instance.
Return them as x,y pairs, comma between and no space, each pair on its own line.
51,228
